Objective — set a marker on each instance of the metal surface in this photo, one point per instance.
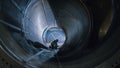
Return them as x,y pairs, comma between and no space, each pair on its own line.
33,21
31,27
39,25
38,18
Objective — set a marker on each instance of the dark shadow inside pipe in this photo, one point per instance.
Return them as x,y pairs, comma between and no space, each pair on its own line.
69,15
73,17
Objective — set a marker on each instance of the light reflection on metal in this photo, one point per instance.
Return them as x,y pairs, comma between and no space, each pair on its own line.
106,24
38,18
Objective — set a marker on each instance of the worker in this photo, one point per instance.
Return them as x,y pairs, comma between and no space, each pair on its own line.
54,44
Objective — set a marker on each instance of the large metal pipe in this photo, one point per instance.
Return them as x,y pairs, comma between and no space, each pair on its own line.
44,21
